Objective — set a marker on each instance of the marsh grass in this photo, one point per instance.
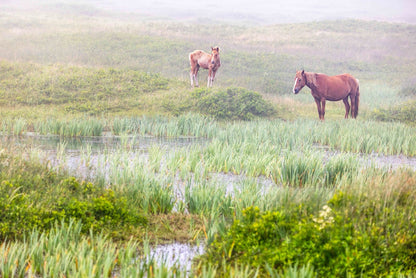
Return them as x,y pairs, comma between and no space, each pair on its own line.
203,197
70,128
187,125
368,137
14,127
65,251
190,124
307,179
151,178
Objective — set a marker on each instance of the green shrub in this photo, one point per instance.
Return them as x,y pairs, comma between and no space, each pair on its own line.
105,210
232,104
409,89
405,112
354,234
33,196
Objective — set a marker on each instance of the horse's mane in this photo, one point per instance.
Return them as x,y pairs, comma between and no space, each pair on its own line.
311,79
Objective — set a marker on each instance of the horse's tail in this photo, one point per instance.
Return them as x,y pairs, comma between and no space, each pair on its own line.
357,100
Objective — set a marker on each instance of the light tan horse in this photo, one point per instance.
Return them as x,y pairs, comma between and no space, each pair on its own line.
199,58
332,88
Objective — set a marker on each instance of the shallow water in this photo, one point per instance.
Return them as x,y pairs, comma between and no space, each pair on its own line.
100,143
390,161
95,146
176,253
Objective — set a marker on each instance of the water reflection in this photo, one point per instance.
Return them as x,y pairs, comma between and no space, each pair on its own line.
73,147
97,144
176,253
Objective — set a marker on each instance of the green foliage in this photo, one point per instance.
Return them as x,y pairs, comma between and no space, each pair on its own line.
178,103
356,233
105,209
33,196
409,89
405,112
232,104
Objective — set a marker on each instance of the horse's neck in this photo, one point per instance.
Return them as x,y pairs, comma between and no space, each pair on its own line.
310,76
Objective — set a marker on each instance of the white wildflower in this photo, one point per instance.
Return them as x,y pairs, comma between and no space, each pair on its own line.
325,217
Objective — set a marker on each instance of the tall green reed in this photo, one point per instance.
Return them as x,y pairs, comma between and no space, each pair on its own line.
132,173
65,252
14,127
70,128
208,199
189,124
367,137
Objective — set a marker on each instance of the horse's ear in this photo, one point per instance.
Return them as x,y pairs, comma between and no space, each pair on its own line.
303,72
218,49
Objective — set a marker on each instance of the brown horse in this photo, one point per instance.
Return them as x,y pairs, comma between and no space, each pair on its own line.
212,62
332,88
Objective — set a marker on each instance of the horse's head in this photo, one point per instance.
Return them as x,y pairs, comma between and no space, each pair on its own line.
215,54
300,81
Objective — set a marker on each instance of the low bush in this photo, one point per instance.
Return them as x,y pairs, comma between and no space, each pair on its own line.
405,112
232,104
370,233
33,196
409,89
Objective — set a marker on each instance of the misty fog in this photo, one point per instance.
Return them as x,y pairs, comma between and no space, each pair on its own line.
249,11
267,11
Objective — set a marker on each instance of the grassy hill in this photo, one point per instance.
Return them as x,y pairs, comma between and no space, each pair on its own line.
78,42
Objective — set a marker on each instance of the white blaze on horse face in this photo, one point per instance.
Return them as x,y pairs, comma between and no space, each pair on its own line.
294,86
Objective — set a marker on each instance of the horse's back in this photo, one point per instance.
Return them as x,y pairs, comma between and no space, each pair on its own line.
351,81
336,87
196,54
200,57
345,80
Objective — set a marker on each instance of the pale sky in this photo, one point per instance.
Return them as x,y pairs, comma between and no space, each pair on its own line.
270,11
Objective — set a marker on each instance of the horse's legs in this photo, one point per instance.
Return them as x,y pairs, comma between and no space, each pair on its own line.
347,107
318,105
194,66
191,75
353,114
195,74
210,77
323,109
